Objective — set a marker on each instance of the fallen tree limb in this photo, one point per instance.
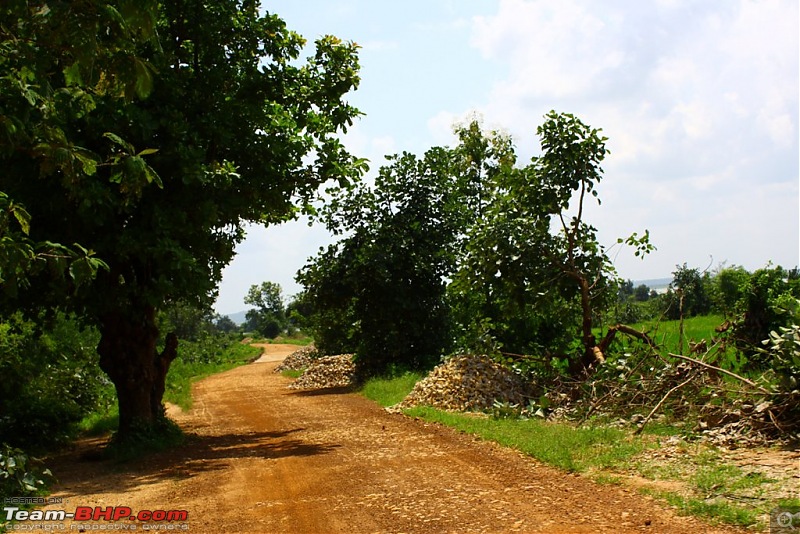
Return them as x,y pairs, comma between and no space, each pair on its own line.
625,329
719,369
663,399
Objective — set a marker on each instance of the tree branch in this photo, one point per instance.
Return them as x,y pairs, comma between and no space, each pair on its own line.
714,368
664,398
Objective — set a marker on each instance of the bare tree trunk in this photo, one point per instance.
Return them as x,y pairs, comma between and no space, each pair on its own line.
129,357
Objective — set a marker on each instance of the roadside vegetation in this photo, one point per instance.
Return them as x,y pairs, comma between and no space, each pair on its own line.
668,460
463,249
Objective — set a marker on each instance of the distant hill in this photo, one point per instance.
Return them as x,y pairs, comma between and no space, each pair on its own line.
239,317
654,283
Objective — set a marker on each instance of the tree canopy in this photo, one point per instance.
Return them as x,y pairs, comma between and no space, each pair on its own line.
269,315
459,249
137,139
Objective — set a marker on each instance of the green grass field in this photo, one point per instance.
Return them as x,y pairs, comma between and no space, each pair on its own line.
667,334
390,391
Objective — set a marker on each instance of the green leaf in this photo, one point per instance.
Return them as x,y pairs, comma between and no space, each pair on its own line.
151,175
72,75
144,78
23,218
88,160
117,140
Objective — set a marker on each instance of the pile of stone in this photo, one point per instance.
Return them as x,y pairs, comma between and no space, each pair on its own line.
298,360
467,383
328,372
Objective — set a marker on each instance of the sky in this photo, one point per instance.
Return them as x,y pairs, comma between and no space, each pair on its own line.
699,100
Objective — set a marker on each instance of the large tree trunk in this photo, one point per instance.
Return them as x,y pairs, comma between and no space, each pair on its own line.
128,355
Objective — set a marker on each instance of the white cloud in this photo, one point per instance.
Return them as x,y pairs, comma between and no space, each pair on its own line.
556,49
672,80
379,46
440,128
699,101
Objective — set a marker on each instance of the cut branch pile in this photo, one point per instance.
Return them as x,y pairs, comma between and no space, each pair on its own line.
721,406
466,383
299,359
328,372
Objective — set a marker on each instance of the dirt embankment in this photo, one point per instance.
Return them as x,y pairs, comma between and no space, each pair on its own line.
264,458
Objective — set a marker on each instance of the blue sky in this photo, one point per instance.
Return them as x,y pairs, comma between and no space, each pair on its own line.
699,100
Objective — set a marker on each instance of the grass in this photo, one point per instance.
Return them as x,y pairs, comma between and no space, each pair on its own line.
716,511
99,423
714,489
561,445
388,391
667,333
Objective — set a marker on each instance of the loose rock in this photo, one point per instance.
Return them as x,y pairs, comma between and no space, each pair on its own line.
299,359
328,372
466,383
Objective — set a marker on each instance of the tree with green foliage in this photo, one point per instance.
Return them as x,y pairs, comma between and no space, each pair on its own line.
137,140
554,280
641,293
688,294
50,379
626,289
728,287
298,311
380,291
767,303
224,324
468,216
269,315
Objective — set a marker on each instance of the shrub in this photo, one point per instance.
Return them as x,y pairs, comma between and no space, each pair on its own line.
51,380
20,475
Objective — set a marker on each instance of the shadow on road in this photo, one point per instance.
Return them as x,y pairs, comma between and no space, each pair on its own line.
341,390
200,454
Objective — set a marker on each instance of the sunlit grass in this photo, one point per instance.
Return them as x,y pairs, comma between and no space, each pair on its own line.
390,391
558,444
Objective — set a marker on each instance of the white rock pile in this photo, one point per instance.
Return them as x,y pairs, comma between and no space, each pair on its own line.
466,383
298,360
327,372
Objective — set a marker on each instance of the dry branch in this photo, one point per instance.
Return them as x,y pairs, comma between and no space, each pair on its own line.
625,329
664,398
719,369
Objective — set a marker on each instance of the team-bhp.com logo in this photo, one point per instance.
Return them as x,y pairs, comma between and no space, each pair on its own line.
116,514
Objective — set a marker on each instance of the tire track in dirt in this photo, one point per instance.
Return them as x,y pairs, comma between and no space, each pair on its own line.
263,458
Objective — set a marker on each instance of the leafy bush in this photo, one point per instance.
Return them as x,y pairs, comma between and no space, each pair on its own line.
20,475
784,350
766,306
51,380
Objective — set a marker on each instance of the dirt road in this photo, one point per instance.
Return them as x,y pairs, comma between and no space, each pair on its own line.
264,458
